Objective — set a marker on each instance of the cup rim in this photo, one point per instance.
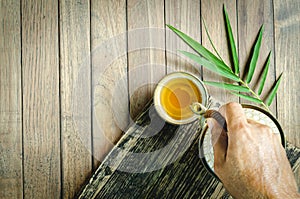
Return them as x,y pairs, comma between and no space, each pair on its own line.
157,104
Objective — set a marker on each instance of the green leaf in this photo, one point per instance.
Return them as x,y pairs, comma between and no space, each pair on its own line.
255,55
211,66
232,43
264,75
247,97
210,40
226,86
274,91
199,48
198,58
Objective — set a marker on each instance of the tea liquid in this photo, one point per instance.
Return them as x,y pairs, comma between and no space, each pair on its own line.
176,97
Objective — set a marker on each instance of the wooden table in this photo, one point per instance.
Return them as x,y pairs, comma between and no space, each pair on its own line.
64,63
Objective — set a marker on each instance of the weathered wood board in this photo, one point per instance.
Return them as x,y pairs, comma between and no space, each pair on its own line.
163,165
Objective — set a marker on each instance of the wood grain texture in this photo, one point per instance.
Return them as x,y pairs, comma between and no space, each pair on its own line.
11,181
214,20
185,16
166,165
41,119
146,50
109,75
75,91
251,16
111,162
287,44
64,69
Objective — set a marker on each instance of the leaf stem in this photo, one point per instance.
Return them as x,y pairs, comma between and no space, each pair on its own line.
255,95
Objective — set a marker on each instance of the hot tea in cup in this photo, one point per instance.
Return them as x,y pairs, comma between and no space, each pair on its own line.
175,93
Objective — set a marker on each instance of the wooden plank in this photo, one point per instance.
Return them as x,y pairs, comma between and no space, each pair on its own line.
287,61
185,16
251,15
11,180
215,22
109,75
287,44
146,50
41,119
75,80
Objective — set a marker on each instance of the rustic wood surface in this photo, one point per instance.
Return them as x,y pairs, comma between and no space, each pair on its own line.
217,32
76,158
41,103
287,42
11,180
147,65
251,16
184,15
109,77
71,75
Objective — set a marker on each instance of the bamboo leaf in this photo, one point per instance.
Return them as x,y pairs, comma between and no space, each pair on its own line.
247,97
226,86
264,75
199,48
255,55
210,40
273,92
232,43
211,66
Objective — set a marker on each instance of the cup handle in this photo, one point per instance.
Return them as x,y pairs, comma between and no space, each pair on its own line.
201,110
217,116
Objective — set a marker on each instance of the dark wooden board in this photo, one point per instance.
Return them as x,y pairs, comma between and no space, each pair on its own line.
164,165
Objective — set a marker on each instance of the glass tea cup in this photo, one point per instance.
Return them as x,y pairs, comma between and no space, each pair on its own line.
175,93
